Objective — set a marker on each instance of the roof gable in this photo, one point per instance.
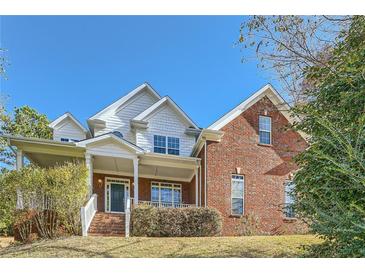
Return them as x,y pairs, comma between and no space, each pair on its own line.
117,105
267,91
142,118
110,138
65,116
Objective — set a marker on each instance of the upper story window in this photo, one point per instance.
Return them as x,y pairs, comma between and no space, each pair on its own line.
265,130
166,145
237,194
289,200
173,145
159,144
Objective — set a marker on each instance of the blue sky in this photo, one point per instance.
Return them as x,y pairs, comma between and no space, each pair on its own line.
81,64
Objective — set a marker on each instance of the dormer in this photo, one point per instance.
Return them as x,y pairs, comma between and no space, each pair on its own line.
67,128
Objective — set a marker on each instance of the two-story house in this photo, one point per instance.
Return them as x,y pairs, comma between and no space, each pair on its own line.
144,148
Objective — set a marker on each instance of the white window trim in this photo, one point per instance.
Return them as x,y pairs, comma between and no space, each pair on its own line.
243,195
118,181
172,187
154,146
167,145
287,182
266,130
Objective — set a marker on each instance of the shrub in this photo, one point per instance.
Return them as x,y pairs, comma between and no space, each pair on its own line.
175,222
52,199
248,225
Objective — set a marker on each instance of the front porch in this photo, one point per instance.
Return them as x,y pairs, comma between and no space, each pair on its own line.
120,174
113,191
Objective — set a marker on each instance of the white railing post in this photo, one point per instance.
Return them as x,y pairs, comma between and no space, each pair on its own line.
127,217
83,222
87,213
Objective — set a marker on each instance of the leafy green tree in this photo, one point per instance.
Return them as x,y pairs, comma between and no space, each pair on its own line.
330,185
26,122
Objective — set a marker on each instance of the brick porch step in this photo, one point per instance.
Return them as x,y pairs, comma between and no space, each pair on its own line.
107,224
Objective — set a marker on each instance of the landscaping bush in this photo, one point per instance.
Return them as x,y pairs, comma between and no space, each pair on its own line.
175,222
52,199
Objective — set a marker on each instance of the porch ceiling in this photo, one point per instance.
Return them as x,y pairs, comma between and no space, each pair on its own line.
49,160
47,153
122,166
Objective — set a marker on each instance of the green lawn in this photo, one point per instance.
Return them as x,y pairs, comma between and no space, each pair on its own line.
113,247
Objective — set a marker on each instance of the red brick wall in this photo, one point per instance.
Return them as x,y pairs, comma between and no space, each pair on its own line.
144,189
265,169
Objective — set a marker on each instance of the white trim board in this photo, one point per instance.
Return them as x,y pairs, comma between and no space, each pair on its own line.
111,136
268,91
152,177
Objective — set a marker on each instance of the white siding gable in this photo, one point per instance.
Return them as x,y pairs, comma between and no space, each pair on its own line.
107,147
119,120
165,122
68,129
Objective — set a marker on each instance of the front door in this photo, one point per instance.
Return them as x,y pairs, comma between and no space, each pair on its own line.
117,197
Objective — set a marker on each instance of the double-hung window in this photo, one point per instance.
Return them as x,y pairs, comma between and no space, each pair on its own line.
159,144
166,194
265,130
166,145
289,200
237,194
173,145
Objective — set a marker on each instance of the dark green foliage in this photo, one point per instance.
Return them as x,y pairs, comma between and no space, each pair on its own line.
175,222
330,185
26,122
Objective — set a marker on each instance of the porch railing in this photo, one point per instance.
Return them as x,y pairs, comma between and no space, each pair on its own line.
88,213
163,204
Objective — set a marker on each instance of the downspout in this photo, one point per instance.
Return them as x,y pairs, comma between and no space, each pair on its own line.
200,184
205,173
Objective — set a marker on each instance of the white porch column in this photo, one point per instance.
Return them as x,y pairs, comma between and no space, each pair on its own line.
135,172
19,159
89,166
18,165
196,186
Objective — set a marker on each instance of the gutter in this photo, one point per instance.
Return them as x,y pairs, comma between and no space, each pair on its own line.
38,141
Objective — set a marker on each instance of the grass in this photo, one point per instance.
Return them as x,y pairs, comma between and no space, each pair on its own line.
117,247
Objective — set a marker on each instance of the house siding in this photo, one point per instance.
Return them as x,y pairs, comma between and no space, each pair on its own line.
265,168
119,120
167,123
68,129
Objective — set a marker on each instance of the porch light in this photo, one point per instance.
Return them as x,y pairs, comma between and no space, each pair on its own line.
100,182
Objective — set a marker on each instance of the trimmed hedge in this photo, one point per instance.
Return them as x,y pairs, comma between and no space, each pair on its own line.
175,222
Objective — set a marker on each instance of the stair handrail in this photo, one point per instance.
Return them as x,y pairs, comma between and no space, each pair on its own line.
87,213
